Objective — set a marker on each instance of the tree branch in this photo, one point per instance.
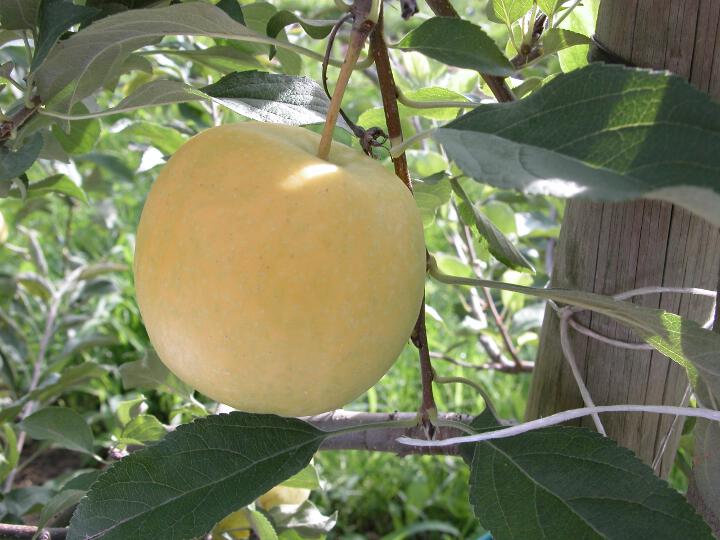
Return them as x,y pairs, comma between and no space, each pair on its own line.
383,439
22,532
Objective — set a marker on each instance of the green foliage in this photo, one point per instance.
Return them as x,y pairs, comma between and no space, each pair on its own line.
116,103
228,459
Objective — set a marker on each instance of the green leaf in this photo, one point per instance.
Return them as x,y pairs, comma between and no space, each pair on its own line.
59,503
498,244
706,466
14,163
142,429
232,8
642,134
54,18
305,479
583,20
150,373
83,134
165,139
60,425
430,194
229,459
269,97
458,43
510,11
556,39
129,409
57,183
19,14
261,526
71,377
10,455
317,29
86,61
222,58
573,483
549,7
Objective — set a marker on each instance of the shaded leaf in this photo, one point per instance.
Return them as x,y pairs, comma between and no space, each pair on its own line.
232,8
498,244
317,29
71,377
223,58
269,97
573,483
59,503
85,61
643,134
228,459
457,43
19,14
14,163
57,183
150,373
430,194
54,18
82,136
706,464
61,426
165,139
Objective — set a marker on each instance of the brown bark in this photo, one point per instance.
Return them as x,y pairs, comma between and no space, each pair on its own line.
607,248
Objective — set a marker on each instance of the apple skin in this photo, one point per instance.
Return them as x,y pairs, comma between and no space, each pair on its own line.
272,280
282,495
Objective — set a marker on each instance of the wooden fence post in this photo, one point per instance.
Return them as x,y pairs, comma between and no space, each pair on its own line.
609,248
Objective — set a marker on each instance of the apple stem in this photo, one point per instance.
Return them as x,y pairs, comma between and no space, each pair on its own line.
366,14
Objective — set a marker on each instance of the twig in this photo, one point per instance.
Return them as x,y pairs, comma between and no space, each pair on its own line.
475,385
22,532
566,416
525,367
366,17
497,317
498,86
9,127
388,91
666,439
384,439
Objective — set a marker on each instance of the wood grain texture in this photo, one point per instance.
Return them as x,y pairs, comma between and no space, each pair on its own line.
609,248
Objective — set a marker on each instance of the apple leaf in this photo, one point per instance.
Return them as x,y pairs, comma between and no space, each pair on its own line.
60,425
564,482
549,7
57,183
706,466
161,492
317,29
557,39
458,43
15,162
86,61
54,18
232,8
498,244
19,14
270,97
510,11
150,373
601,132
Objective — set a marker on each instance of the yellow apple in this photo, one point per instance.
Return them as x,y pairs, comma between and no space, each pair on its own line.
3,229
282,495
272,280
236,526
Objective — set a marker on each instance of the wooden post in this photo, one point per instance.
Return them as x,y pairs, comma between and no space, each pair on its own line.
609,248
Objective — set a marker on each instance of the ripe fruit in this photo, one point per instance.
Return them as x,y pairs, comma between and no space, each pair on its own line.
274,281
282,495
